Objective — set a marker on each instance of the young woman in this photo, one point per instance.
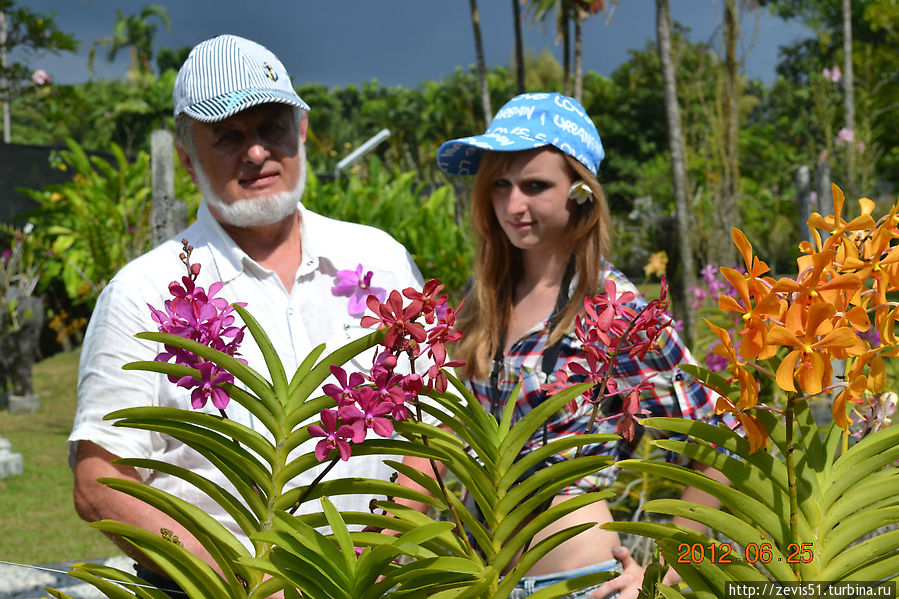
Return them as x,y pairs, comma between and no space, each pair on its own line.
542,227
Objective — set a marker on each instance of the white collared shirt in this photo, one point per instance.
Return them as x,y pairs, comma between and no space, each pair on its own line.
296,321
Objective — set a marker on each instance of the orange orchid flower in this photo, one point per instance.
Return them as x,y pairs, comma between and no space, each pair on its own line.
809,331
749,389
835,224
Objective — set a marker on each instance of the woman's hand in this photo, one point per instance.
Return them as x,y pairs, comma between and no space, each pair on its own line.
628,583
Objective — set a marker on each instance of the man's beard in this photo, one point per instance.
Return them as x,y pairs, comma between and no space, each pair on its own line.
254,212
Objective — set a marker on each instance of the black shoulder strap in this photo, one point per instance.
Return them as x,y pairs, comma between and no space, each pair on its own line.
551,353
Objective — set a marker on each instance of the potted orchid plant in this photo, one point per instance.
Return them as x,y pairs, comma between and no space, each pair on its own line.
807,508
386,411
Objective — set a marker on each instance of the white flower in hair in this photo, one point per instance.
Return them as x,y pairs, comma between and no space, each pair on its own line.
580,192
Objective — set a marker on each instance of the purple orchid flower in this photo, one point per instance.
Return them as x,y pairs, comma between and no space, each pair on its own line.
356,286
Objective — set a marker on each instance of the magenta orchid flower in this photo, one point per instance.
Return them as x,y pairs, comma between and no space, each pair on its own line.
336,435
194,314
609,329
206,387
356,286
343,393
374,401
370,408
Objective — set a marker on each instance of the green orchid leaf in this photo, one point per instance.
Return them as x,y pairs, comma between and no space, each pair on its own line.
457,417
524,429
525,528
242,464
224,426
422,578
247,400
766,486
269,353
304,369
533,459
713,381
255,407
347,486
341,534
774,524
302,576
189,572
401,519
535,554
876,488
719,435
242,372
306,414
740,532
306,557
865,457
864,554
245,519
854,528
128,589
472,406
425,480
551,480
668,592
505,422
882,569
129,581
222,545
566,587
321,371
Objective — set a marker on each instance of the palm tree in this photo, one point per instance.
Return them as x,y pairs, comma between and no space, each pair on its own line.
482,64
541,11
519,46
569,14
134,32
849,98
727,205
678,172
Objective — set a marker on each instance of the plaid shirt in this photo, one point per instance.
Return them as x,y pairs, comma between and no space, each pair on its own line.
673,394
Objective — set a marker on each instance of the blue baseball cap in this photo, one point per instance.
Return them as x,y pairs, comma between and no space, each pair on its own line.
525,122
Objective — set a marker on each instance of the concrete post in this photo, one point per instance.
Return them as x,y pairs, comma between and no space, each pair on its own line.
169,214
804,200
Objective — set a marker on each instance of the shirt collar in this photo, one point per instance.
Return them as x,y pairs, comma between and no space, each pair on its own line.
230,260
226,254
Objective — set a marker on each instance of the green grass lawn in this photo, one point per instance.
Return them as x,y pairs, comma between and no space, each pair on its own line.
38,523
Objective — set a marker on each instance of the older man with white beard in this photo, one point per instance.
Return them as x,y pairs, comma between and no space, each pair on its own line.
240,132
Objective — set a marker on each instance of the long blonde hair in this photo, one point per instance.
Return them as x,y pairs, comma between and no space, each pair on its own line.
498,265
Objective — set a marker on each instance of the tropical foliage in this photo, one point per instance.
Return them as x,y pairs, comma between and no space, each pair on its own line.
431,225
99,221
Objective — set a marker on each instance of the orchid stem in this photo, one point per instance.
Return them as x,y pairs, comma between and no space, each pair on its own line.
459,530
308,491
791,480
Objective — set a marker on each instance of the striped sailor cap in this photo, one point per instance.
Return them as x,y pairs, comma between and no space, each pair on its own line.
227,74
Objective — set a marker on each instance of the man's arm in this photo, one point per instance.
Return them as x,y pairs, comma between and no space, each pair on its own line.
95,501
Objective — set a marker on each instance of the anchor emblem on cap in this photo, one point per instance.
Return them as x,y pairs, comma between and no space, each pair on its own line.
269,71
